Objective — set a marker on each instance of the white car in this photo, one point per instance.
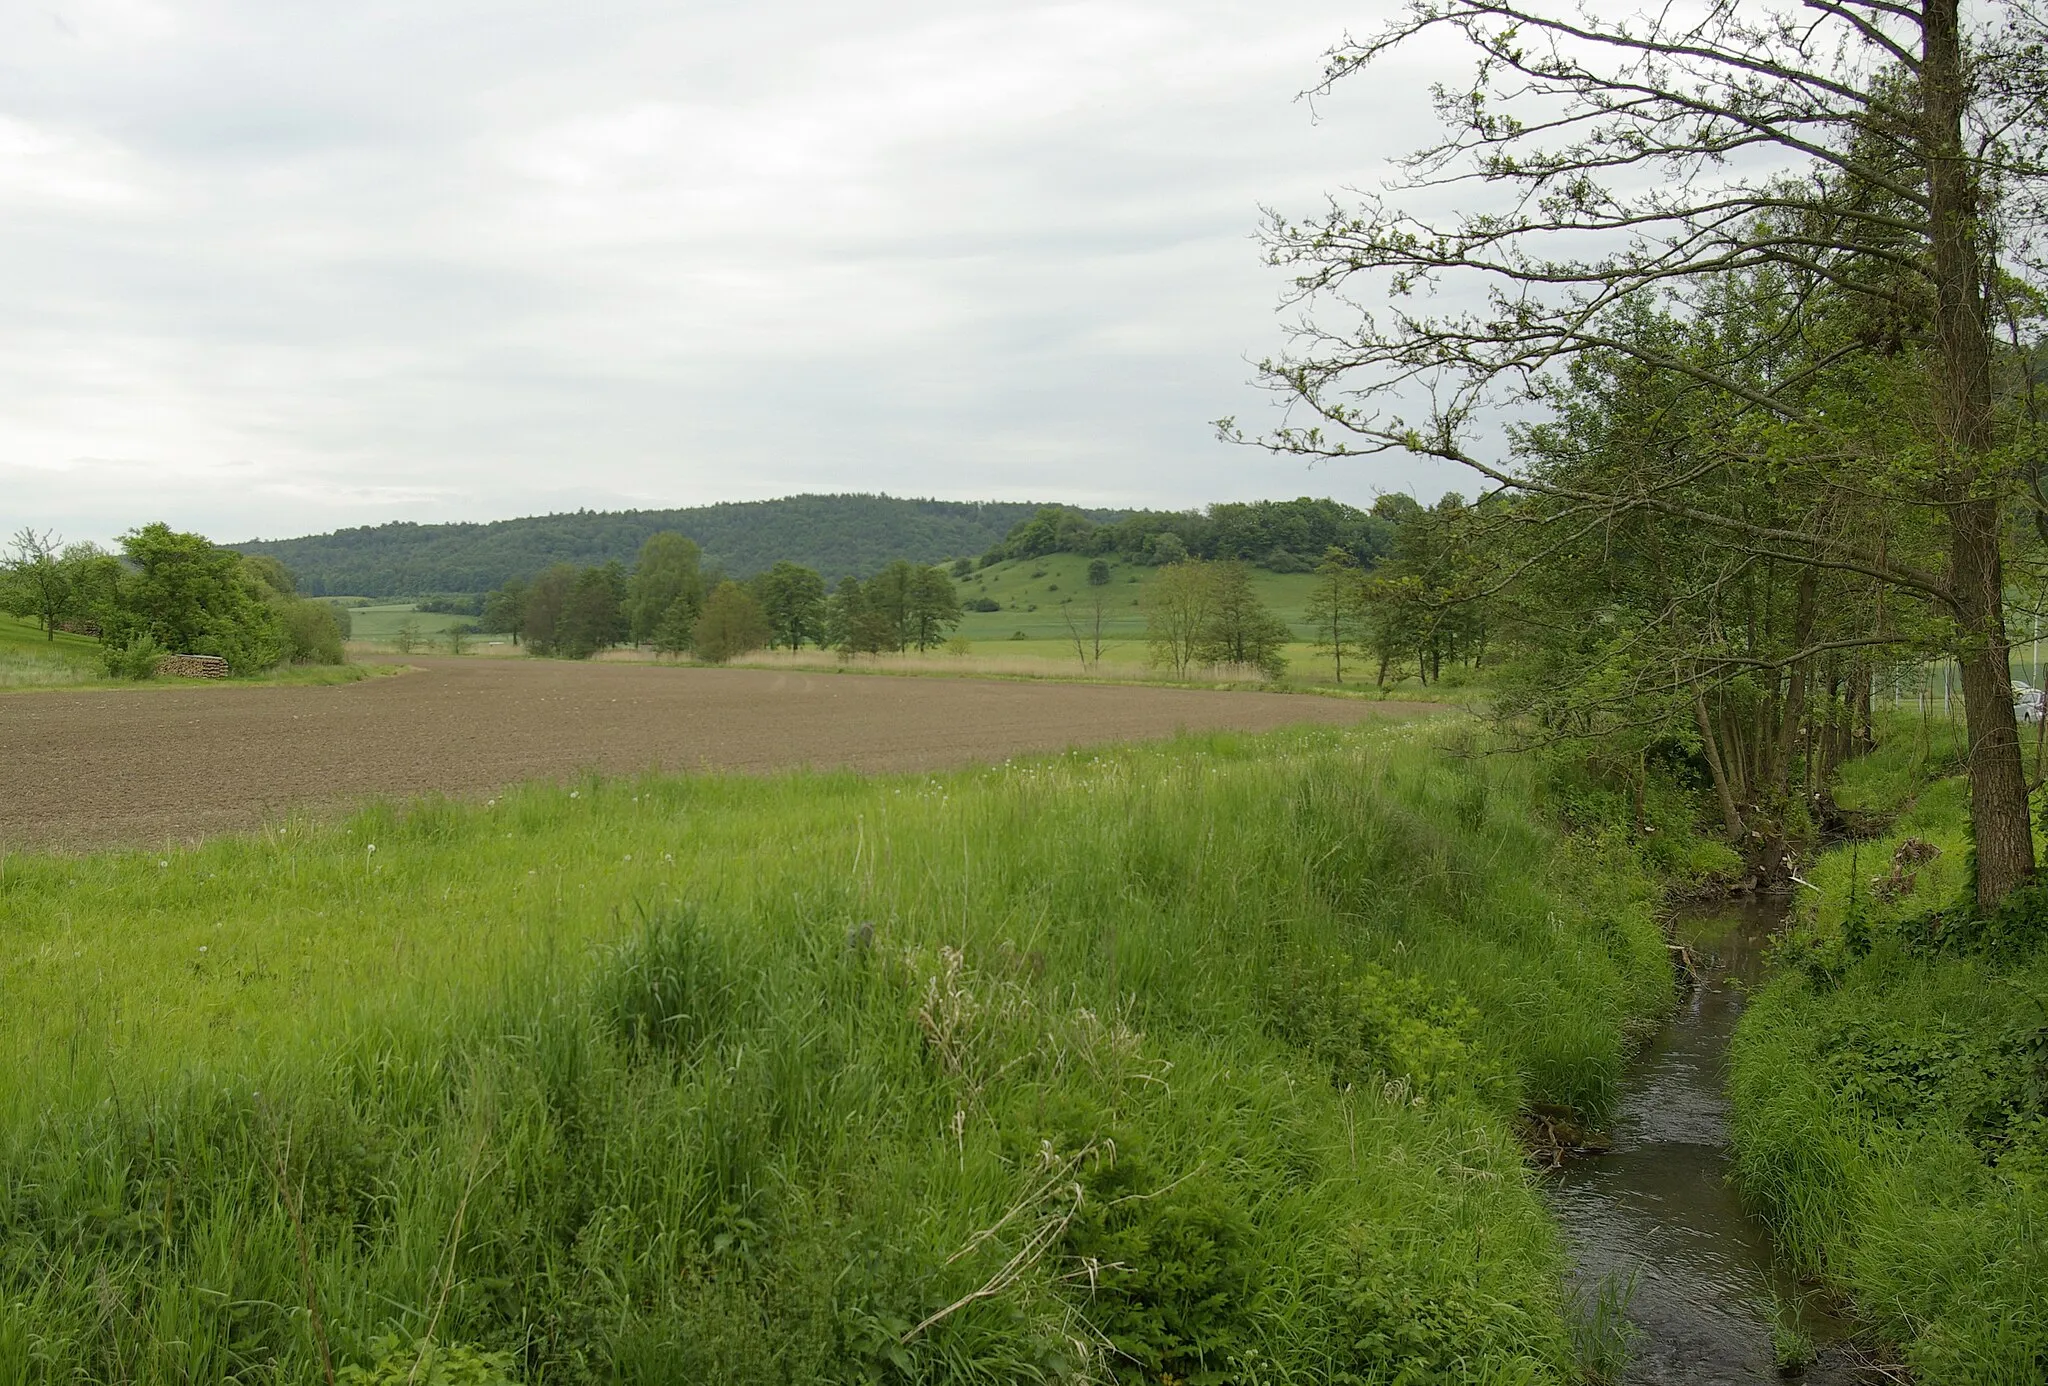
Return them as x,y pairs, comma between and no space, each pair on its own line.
2028,704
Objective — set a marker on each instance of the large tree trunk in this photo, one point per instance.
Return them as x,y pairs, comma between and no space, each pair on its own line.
1998,786
1998,782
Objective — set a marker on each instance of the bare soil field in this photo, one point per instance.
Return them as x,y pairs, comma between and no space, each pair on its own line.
119,768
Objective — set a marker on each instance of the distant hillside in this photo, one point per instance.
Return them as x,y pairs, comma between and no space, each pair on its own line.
836,535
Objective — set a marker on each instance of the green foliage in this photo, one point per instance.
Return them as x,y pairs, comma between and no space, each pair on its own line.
427,1363
1239,628
136,660
1208,613
505,611
546,609
1891,1085
923,1078
733,624
677,629
836,535
1363,1022
668,570
1174,1285
1275,535
313,631
591,616
793,599
195,598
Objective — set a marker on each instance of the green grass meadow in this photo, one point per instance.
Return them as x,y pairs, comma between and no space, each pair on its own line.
1891,1089
30,659
1190,1063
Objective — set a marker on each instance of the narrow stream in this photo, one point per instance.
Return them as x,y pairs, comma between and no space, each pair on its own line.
1657,1211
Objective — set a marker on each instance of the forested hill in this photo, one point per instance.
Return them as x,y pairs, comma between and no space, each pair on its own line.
836,535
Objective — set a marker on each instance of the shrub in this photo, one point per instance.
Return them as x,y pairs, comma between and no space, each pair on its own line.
138,659
982,604
427,1363
312,633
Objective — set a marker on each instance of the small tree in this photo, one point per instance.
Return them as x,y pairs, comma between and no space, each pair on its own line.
1084,622
677,628
1177,608
41,587
846,616
1336,607
592,617
932,609
1240,629
669,567
546,601
1098,572
1168,549
505,610
732,624
793,598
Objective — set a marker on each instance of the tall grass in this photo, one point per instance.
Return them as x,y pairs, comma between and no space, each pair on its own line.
1190,1062
1891,1093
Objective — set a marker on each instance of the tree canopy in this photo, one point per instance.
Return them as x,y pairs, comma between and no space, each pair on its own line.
1748,285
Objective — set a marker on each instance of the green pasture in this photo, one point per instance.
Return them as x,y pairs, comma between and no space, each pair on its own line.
30,659
1194,1062
381,622
1039,593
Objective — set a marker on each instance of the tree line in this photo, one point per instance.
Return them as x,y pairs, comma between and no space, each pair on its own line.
1753,293
835,535
1280,536
672,601
168,592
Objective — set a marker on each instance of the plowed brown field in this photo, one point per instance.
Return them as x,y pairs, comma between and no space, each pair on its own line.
81,770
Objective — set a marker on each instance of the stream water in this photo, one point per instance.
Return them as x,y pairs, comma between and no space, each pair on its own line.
1657,1212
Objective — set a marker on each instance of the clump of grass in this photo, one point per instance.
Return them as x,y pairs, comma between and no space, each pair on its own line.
1601,1332
1792,1347
988,1076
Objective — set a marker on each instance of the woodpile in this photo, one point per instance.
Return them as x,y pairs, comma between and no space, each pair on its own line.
188,666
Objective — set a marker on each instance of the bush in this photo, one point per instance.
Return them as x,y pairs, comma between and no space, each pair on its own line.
1098,573
136,660
427,1363
982,604
312,633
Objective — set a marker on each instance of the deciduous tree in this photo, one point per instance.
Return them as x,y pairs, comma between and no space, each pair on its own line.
1811,192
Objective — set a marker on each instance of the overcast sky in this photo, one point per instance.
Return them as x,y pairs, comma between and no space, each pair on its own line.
271,267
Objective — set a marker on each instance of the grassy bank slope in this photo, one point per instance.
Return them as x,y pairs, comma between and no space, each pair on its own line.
1188,1063
1889,1090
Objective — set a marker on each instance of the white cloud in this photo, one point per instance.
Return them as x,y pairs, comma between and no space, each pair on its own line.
278,267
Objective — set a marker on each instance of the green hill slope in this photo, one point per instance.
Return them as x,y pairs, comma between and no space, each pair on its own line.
834,534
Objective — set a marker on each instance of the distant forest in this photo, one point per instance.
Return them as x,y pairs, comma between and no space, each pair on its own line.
838,536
